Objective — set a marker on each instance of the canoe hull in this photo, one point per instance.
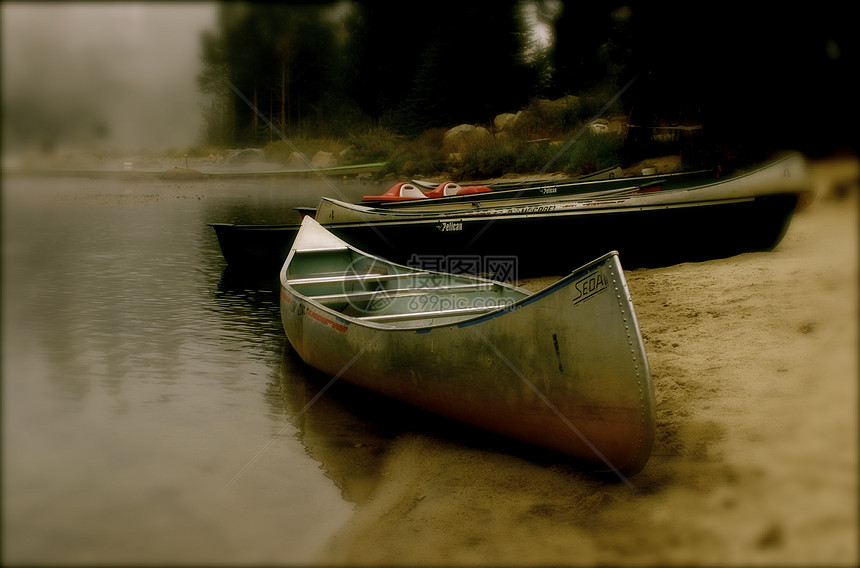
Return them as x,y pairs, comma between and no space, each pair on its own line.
564,369
256,248
749,212
554,243
548,243
610,181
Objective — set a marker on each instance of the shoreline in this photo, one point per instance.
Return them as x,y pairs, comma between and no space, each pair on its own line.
178,172
754,365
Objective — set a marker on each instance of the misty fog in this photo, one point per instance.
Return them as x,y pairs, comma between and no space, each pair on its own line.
101,76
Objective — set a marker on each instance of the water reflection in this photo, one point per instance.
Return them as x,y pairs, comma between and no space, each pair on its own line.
140,377
352,431
248,309
347,429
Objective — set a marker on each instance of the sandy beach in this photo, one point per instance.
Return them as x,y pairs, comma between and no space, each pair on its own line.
754,365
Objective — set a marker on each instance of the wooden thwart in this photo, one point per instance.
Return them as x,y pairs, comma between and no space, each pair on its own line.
398,293
432,314
350,277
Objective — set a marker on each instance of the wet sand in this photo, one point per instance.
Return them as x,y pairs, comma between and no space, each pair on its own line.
754,364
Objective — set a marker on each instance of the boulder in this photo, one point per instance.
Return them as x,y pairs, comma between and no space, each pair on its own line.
503,121
297,160
465,137
324,160
523,121
347,153
244,156
544,114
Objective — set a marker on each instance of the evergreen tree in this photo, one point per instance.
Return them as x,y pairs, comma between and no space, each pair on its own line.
279,58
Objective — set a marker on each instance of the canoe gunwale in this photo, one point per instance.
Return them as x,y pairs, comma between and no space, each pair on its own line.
470,316
395,217
786,175
592,183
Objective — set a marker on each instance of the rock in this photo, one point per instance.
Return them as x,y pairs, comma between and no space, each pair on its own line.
324,160
524,121
298,160
347,153
546,110
503,120
244,156
465,137
546,114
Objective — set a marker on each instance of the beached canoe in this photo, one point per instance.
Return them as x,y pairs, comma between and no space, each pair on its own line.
610,181
563,369
552,234
747,212
418,189
263,247
606,173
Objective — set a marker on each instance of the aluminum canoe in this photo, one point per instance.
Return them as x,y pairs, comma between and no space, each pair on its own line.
563,369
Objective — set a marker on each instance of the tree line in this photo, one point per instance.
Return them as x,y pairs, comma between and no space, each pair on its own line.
330,68
326,68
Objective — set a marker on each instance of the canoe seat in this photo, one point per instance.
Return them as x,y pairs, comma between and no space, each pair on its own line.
349,277
400,192
444,189
399,293
448,188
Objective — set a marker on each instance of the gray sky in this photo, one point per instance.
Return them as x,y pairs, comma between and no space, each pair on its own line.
108,75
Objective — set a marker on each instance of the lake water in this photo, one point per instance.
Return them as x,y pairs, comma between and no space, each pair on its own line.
152,409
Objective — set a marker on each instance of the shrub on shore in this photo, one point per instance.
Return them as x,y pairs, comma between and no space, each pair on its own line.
280,151
424,155
588,153
537,139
